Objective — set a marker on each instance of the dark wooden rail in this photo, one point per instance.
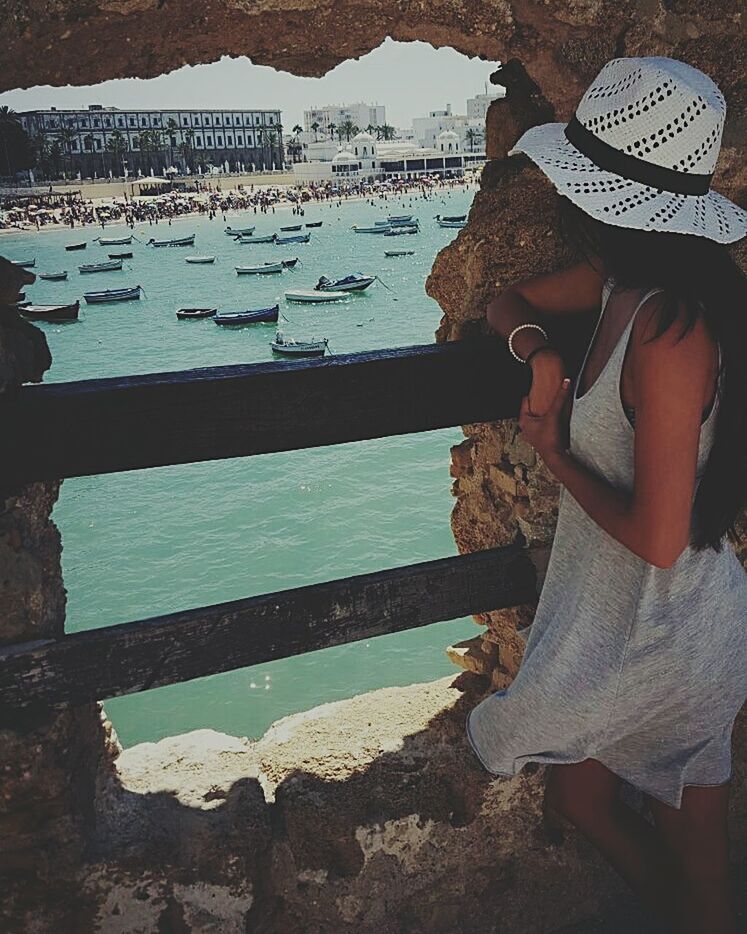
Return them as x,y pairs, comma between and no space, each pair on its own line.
101,663
107,425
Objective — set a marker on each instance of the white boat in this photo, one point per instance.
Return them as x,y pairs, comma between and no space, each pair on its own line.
178,241
356,282
25,263
295,348
259,270
240,231
312,295
399,218
200,259
111,266
402,229
269,238
452,223
54,276
114,241
376,229
112,295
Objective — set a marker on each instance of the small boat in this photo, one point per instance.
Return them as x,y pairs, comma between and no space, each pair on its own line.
114,241
293,227
111,266
200,259
178,241
314,223
314,295
296,238
399,252
187,313
112,295
240,231
399,218
452,223
378,228
415,223
120,255
54,276
293,348
451,217
50,312
257,316
259,270
289,263
356,282
76,246
398,231
24,263
270,238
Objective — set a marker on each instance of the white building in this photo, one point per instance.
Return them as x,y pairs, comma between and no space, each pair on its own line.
477,106
154,139
360,114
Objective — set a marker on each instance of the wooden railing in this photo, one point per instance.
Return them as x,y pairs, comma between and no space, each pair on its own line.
102,426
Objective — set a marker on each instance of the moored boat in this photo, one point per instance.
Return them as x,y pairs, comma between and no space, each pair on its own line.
356,282
292,227
314,223
295,348
289,263
378,228
177,241
402,229
119,255
76,246
251,316
114,241
399,252
444,223
24,263
399,218
259,270
240,231
297,238
111,266
200,260
451,217
112,295
269,238
67,312
54,276
187,313
313,295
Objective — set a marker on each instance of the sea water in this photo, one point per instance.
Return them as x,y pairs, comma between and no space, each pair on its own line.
147,542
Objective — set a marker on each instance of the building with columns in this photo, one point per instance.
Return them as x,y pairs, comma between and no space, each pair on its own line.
99,139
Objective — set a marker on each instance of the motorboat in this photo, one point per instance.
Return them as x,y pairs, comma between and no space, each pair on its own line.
114,241
177,241
314,295
24,263
259,270
200,260
297,238
188,313
314,223
111,266
67,312
444,223
451,217
255,316
356,282
399,252
399,231
295,348
292,227
119,255
54,276
268,238
240,231
399,218
112,295
76,246
378,228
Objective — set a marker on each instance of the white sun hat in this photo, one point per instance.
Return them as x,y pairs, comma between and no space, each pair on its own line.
641,150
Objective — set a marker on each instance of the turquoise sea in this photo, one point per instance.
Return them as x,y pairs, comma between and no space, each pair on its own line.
147,542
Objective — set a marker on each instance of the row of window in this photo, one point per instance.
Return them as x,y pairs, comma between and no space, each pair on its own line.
123,121
95,144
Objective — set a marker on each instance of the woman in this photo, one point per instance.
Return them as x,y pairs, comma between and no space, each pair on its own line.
634,668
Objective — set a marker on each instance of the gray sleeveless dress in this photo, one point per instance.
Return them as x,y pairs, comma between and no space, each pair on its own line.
642,668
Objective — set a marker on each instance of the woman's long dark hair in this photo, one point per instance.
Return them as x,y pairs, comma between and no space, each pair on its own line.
702,276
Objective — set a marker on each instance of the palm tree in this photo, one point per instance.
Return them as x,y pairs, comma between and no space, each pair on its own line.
387,131
348,128
315,127
145,142
471,135
88,144
40,145
116,145
294,146
171,127
186,148
67,134
272,139
157,140
56,156
332,128
9,125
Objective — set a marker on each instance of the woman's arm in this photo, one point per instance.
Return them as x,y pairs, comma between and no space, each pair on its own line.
573,290
671,383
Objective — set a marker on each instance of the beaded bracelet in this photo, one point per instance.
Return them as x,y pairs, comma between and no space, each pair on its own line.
529,324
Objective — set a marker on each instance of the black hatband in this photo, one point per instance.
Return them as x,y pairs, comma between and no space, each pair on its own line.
631,167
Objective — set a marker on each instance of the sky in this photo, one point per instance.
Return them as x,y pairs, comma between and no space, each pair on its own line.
409,78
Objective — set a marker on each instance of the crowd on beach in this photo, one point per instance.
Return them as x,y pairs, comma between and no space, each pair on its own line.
75,211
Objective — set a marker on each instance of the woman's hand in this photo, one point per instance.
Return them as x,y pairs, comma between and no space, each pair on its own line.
547,433
548,371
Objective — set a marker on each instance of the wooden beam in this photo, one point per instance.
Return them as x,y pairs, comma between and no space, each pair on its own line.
124,659
106,425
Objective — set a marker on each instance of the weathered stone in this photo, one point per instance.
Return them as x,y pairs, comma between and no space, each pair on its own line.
477,655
